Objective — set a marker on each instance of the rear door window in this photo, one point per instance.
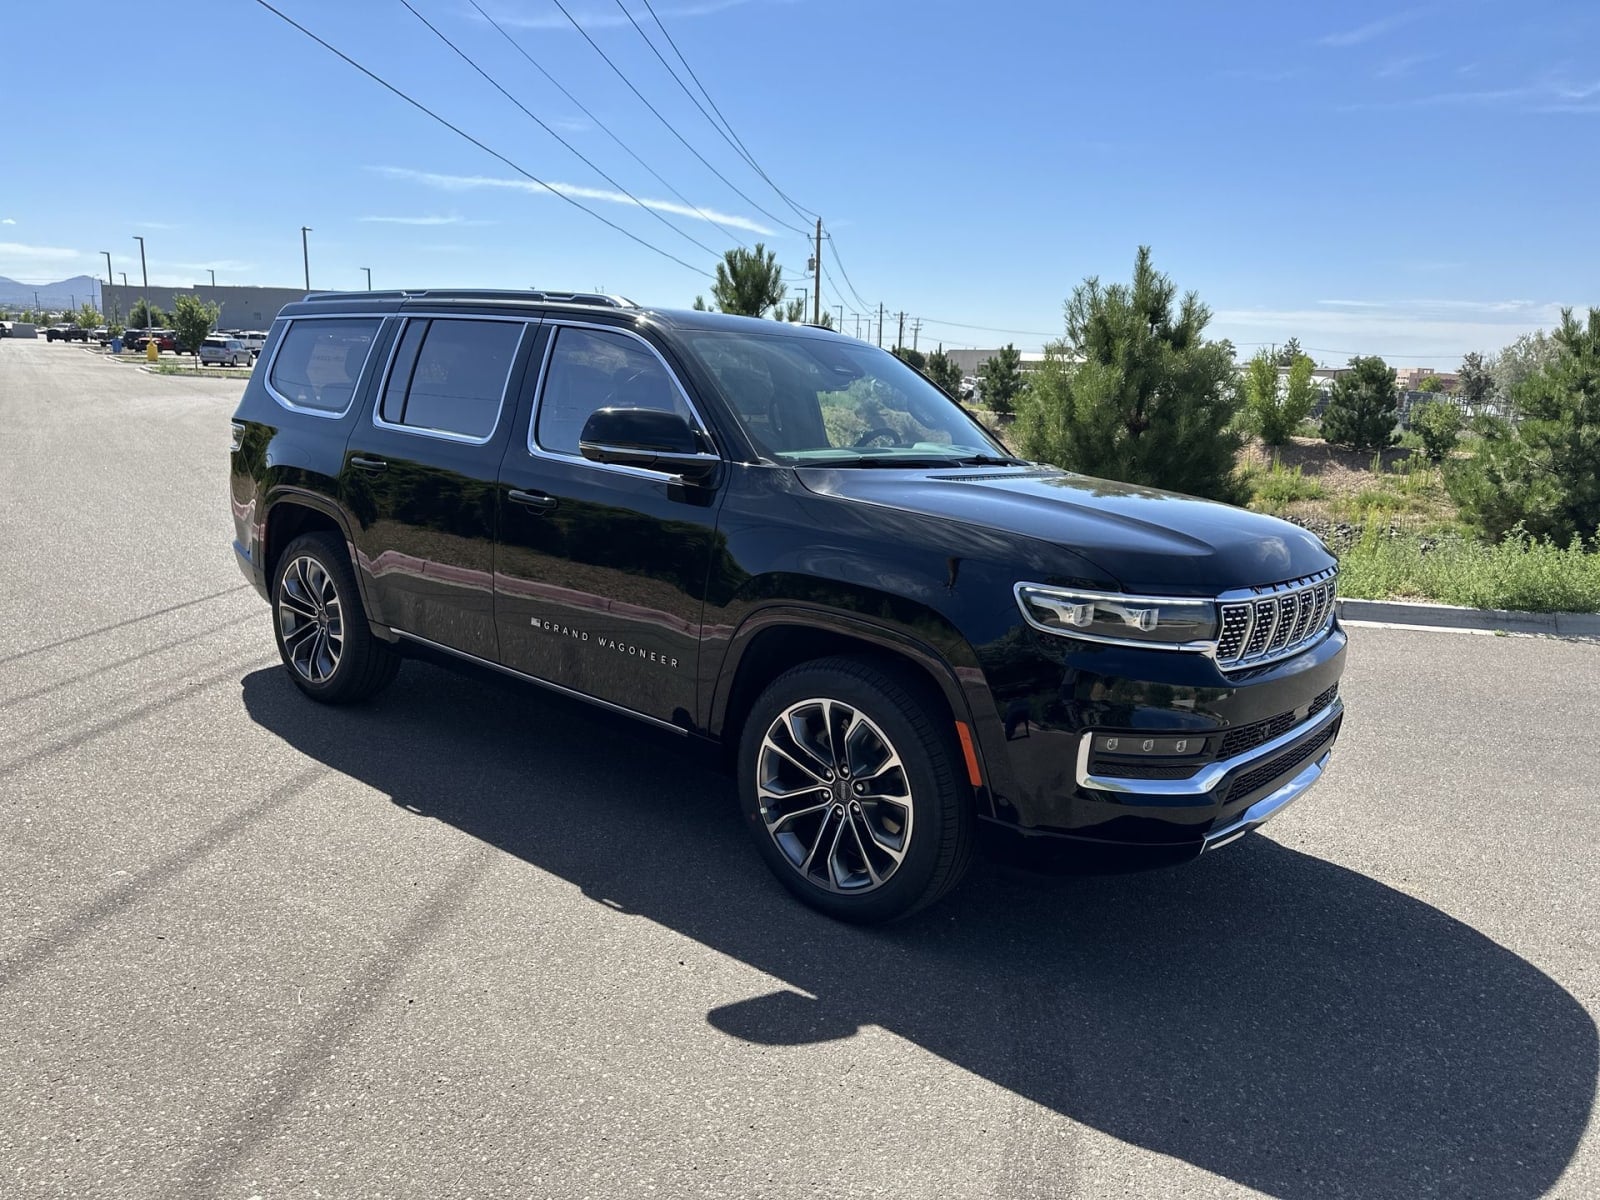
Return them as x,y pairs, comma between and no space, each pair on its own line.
318,363
449,376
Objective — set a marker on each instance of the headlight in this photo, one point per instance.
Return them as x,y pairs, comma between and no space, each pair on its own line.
1166,622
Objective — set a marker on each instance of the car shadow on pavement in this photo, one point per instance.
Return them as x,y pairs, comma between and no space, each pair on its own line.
1263,1014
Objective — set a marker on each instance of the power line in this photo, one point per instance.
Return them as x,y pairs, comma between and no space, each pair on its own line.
459,132
670,127
839,262
581,157
989,328
606,129
732,138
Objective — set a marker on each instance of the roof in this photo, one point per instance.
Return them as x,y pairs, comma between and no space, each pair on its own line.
594,303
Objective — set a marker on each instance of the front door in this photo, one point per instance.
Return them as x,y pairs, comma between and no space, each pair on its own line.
601,570
419,475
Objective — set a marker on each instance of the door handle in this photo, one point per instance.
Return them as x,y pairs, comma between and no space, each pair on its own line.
534,500
368,464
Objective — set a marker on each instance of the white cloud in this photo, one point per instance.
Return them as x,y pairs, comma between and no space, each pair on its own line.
8,221
422,221
464,183
1372,29
39,253
231,265
1406,332
153,225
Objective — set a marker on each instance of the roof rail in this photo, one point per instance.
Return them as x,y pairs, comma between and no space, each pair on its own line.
597,299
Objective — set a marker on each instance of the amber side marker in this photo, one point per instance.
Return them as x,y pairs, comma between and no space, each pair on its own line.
971,755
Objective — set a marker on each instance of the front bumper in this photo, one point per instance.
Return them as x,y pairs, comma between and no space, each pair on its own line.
1267,736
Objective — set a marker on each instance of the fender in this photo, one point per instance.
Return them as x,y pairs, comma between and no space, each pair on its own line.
958,684
306,498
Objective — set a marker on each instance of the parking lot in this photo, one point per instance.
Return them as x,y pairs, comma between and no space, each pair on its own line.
475,941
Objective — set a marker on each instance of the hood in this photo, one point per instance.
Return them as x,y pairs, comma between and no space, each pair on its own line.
1152,542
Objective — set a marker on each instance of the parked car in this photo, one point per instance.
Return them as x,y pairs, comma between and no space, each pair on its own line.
165,339
224,352
66,333
902,639
253,339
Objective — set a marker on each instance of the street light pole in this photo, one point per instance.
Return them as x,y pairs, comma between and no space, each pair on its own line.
368,270
111,279
213,276
143,269
124,275
305,253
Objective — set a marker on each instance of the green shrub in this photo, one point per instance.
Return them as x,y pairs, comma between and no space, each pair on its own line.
1520,572
1279,486
1542,475
1438,425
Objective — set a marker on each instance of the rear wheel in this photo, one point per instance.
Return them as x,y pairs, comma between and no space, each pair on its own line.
322,632
849,783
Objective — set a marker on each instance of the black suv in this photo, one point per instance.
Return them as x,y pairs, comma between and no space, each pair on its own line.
787,543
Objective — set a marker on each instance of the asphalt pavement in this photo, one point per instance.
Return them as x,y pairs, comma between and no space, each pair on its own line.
473,941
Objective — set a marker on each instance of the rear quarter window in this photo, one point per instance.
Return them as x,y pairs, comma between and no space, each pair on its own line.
319,361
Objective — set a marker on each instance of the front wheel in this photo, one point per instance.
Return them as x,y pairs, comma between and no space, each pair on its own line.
323,637
849,783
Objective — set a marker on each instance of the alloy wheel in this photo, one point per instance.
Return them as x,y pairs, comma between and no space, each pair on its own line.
834,796
310,620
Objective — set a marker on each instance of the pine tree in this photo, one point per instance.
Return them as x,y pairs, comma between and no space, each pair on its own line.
1544,473
749,282
1362,409
1000,379
942,369
1135,392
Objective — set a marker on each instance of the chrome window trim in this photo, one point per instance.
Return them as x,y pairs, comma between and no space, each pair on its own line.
289,322
444,435
556,325
1207,777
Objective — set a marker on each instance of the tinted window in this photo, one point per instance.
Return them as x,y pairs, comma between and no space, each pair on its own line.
592,369
318,362
821,399
449,376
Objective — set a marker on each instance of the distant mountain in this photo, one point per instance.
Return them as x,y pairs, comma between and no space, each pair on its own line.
53,296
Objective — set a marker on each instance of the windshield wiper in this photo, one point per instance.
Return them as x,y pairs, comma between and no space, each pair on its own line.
988,460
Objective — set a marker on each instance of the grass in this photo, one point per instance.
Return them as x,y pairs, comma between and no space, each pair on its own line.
1277,487
1519,573
192,372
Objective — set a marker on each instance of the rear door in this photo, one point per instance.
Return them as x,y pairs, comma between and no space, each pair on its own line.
601,570
419,476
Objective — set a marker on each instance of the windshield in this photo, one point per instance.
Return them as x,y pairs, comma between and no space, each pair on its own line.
811,401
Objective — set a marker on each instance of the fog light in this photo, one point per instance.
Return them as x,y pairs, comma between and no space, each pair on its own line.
1136,744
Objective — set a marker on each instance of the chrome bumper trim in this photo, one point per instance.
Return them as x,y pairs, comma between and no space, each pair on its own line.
1263,810
1207,777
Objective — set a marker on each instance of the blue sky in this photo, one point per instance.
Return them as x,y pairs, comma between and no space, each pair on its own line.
1414,181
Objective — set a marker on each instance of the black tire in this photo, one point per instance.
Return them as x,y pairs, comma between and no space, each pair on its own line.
901,715
321,628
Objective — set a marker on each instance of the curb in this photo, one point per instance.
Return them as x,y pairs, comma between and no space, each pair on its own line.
1451,616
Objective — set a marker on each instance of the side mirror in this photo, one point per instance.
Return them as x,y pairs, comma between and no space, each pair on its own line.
646,437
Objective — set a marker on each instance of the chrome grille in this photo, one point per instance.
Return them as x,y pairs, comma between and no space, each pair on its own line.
1269,623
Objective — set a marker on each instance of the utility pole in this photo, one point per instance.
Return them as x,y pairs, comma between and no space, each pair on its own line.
916,328
857,316
305,253
368,270
840,307
900,338
816,281
880,324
